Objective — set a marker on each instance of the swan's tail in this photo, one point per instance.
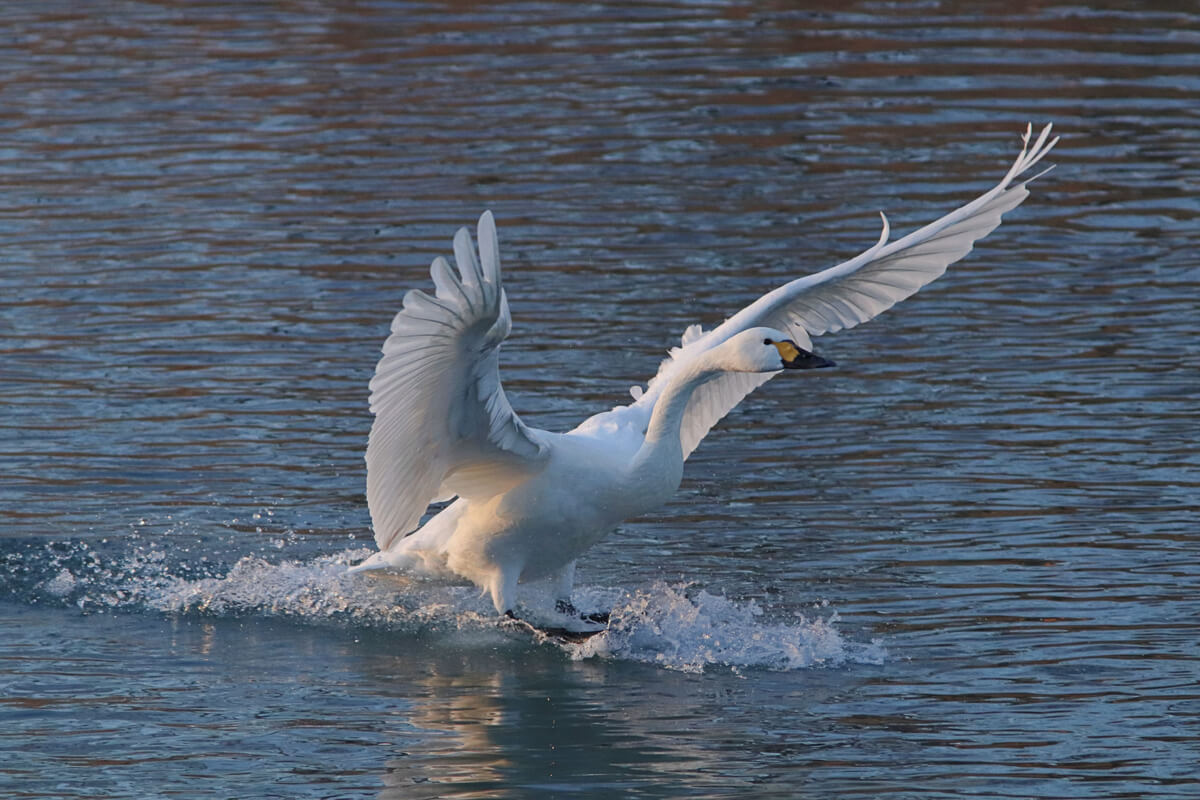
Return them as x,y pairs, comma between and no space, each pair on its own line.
377,561
408,555
423,551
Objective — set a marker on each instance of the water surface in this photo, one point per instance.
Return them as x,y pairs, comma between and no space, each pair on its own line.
964,564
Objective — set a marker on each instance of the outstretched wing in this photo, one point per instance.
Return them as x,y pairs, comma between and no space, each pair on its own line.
848,294
443,425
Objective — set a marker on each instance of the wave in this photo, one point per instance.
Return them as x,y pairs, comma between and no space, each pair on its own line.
676,626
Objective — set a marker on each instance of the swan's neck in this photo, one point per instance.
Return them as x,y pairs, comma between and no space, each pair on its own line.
661,453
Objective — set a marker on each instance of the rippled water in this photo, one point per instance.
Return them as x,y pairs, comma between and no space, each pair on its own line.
963,564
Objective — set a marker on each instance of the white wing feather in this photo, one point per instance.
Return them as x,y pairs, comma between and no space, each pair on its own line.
443,425
846,295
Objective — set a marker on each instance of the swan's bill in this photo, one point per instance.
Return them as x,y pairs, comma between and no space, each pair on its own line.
795,357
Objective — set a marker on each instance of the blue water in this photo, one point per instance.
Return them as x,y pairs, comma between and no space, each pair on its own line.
963,564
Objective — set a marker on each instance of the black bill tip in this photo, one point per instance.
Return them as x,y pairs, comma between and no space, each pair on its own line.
806,360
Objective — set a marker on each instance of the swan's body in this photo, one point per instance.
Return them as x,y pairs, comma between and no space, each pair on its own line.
529,502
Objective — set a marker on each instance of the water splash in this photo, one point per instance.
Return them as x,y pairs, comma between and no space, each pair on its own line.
673,626
314,590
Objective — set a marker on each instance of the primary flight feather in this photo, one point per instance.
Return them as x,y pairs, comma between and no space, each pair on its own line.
529,501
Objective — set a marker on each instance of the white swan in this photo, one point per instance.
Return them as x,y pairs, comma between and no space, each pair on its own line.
530,502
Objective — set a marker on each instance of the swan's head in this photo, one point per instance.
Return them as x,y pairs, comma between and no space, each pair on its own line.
770,350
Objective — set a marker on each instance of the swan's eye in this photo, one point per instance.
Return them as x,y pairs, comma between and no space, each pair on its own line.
767,341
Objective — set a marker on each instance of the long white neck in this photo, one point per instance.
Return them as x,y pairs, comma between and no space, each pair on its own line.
661,453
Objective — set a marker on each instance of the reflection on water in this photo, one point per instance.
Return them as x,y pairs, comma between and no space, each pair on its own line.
583,727
211,211
259,706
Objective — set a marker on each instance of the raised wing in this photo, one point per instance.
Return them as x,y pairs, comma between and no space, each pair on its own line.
848,294
443,425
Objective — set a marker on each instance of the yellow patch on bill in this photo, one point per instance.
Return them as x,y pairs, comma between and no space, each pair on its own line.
788,350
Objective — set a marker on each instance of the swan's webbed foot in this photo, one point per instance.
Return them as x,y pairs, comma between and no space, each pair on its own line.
555,631
568,608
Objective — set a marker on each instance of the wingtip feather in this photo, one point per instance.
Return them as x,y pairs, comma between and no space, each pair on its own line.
489,248
464,257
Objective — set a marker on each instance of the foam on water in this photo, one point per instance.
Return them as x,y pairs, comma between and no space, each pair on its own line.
672,625
678,628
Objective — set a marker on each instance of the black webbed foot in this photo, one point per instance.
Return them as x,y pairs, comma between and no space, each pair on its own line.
568,608
565,607
556,632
